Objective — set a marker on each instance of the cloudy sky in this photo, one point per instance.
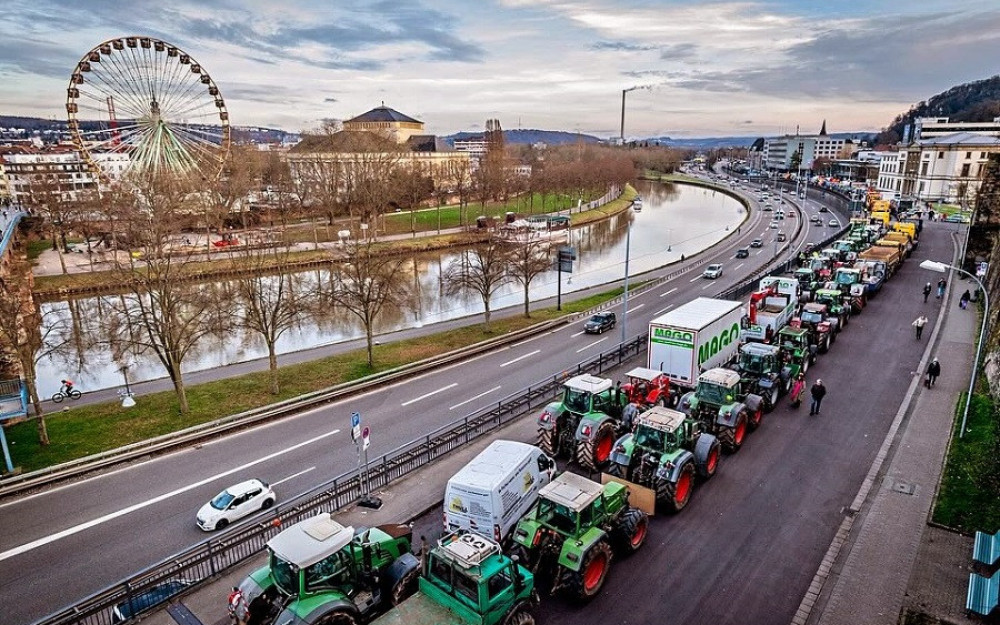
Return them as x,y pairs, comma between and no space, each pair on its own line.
703,68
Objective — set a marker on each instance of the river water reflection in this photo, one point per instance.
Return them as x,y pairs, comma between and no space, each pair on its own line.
675,220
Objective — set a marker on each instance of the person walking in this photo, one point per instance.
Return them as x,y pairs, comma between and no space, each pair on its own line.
818,392
963,302
941,284
919,324
239,611
933,371
927,291
797,388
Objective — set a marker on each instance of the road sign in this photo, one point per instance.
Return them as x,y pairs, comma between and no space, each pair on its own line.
981,269
355,426
366,438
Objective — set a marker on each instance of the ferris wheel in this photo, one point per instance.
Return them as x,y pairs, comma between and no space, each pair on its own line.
138,104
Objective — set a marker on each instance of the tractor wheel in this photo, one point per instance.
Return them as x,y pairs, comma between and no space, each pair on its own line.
847,319
677,494
805,364
337,617
406,586
786,385
587,582
833,337
732,437
547,442
630,531
519,616
711,464
618,470
772,399
592,454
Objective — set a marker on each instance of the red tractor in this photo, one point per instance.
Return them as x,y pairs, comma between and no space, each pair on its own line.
648,387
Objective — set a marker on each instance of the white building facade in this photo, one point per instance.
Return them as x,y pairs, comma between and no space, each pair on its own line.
945,168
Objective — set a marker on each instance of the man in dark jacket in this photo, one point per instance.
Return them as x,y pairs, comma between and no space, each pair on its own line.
933,371
818,391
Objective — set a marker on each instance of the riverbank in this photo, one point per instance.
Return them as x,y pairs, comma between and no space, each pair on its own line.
86,277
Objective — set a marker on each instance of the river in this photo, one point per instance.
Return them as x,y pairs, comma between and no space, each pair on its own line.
675,220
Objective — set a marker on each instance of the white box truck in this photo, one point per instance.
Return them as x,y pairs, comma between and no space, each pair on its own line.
700,335
491,493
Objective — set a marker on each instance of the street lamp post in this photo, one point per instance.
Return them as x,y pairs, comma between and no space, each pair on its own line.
942,268
127,399
628,240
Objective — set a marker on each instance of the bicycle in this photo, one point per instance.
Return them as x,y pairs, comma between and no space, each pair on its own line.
66,390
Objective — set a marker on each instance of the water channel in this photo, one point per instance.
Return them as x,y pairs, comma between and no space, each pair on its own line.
675,220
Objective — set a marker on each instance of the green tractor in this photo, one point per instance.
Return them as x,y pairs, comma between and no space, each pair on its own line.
568,537
851,283
809,281
665,453
723,407
797,349
468,581
320,571
584,424
764,372
837,306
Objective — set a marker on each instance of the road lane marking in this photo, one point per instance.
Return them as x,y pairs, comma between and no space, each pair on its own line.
16,551
706,286
573,336
426,395
660,312
635,308
495,388
698,277
292,476
534,338
668,292
510,362
738,266
591,345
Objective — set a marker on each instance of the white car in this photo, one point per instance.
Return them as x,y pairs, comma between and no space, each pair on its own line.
234,503
713,271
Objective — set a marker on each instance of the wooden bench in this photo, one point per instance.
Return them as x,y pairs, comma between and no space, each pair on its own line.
982,596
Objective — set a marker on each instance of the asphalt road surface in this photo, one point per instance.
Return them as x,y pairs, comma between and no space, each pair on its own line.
64,543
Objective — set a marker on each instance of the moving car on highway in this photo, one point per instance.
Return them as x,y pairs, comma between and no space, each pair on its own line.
600,322
713,271
234,503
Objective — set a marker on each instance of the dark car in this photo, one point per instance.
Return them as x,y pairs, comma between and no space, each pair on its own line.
599,323
742,253
757,243
823,209
143,601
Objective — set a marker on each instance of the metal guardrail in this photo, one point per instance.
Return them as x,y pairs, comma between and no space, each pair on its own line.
206,560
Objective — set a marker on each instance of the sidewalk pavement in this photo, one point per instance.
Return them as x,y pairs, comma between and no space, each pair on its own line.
886,558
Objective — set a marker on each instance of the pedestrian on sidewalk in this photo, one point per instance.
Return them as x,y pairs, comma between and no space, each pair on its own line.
941,284
927,291
919,324
818,392
963,302
933,371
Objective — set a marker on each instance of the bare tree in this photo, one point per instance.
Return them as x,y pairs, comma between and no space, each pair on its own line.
270,299
366,284
165,312
481,270
527,262
225,198
23,332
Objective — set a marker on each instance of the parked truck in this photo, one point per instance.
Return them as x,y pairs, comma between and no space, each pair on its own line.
888,255
701,334
771,307
467,580
319,571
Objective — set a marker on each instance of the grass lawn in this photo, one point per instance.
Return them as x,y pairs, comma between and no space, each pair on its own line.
85,430
969,498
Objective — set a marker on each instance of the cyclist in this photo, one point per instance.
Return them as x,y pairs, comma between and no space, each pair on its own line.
67,386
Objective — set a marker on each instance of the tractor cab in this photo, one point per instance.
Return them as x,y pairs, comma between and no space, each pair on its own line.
647,387
757,359
585,394
718,387
661,429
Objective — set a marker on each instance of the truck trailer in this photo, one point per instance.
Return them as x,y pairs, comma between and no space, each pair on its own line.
700,335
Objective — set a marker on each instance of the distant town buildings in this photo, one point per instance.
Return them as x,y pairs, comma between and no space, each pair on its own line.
794,152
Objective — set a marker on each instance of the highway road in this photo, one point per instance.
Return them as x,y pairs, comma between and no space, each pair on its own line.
66,542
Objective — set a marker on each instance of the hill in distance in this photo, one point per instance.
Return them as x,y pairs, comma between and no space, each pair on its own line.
970,102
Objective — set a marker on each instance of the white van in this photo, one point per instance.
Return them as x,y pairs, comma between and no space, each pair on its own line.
491,493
